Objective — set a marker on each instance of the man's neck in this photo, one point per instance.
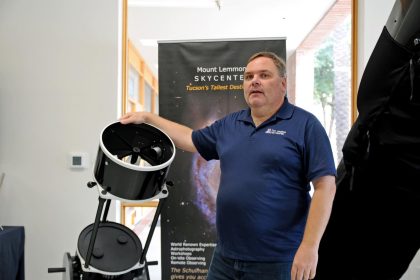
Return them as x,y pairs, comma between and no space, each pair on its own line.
260,115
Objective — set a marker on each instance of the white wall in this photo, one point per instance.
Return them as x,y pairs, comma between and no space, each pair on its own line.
58,90
373,15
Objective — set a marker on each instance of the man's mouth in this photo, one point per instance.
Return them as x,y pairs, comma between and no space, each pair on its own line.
255,92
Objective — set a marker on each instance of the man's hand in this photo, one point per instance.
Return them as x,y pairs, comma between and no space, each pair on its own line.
305,262
134,117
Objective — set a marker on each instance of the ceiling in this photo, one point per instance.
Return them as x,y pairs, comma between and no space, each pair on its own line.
151,21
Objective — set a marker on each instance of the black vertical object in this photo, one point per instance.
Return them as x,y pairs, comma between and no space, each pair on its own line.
94,231
372,232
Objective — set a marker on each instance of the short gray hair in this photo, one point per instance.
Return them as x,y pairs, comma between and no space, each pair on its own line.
279,62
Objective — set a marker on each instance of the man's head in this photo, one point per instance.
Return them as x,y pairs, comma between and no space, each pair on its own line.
278,62
265,81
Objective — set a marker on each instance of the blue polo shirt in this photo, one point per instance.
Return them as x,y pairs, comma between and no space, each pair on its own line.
263,197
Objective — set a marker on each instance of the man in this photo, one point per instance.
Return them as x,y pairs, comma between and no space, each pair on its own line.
267,226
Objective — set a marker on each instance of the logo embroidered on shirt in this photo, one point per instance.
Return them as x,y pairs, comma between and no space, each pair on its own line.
274,131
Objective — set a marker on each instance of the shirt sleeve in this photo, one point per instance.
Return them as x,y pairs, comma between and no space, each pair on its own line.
319,158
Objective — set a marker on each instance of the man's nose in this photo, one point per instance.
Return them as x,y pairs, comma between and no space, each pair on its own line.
255,81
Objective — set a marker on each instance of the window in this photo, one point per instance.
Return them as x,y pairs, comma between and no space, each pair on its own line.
323,75
142,86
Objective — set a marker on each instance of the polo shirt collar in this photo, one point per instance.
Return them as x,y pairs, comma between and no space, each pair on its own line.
285,112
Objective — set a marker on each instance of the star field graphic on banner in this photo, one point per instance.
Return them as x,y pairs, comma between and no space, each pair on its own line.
199,82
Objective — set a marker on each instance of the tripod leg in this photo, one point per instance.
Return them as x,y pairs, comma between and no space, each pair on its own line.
152,229
94,231
105,215
146,268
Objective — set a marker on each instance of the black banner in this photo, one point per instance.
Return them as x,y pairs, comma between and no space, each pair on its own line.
199,82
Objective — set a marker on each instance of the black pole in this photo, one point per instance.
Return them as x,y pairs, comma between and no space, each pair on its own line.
146,268
94,231
152,229
56,269
105,215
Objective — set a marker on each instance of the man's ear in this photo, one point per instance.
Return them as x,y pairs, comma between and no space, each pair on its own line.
284,82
